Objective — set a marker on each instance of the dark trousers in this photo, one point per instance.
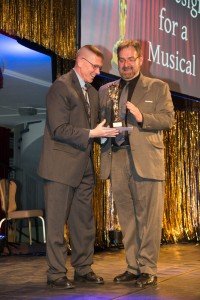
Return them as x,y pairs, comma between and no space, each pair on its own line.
65,204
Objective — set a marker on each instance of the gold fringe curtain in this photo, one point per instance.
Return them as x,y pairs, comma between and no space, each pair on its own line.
181,220
50,23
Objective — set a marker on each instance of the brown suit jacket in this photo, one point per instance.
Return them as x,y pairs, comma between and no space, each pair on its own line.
66,145
153,98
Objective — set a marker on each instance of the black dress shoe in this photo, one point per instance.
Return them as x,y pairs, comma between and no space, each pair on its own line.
146,279
125,277
90,277
61,283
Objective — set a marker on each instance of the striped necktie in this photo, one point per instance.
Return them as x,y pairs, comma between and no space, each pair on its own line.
87,102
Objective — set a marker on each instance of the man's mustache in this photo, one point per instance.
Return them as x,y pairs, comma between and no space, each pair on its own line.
127,68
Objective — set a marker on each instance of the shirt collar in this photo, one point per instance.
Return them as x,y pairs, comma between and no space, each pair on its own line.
80,79
132,81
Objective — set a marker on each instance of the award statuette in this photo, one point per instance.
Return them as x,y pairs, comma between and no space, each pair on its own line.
113,92
117,111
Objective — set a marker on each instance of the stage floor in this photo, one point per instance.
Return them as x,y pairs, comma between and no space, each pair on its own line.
23,277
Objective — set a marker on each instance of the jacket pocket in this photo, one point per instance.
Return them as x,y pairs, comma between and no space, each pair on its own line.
155,141
66,148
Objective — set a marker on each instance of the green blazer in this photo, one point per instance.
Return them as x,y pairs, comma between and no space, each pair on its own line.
153,98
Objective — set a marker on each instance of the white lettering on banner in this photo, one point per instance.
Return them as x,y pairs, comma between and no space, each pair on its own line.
172,61
166,24
192,5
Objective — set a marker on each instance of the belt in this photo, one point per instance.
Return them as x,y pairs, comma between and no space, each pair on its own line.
117,148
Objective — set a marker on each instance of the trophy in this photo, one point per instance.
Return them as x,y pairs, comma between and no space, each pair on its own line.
118,108
113,92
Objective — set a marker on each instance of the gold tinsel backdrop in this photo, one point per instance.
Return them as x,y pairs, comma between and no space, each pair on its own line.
53,25
50,23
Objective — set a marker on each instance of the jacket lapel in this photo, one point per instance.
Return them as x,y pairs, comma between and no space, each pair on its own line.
140,90
79,91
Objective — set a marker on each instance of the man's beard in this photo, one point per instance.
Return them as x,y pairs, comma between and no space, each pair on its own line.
128,75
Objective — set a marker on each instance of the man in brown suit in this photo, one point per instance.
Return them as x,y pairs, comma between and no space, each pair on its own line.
135,164
66,165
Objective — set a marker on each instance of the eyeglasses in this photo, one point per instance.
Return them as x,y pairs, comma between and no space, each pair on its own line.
95,67
129,60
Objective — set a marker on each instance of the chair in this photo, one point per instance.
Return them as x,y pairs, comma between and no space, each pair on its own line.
8,190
